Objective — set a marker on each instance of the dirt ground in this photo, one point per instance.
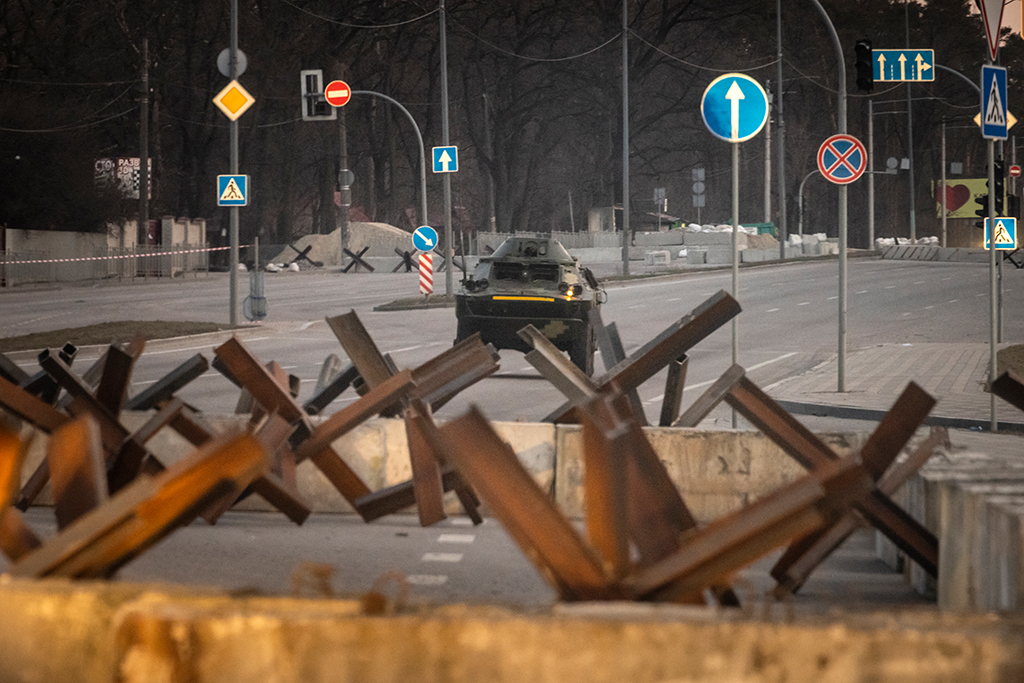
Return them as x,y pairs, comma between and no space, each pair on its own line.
106,333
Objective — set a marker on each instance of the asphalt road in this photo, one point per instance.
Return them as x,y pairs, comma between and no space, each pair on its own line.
789,323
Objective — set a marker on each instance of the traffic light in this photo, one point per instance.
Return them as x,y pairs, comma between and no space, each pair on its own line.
982,211
999,191
864,65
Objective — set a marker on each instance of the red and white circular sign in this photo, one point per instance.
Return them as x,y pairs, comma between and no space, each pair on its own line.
337,93
842,159
1014,171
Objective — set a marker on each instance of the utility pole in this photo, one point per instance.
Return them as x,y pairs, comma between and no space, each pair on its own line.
449,246
344,184
768,159
780,156
143,227
625,142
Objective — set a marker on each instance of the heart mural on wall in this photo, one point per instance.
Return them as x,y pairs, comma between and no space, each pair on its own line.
956,196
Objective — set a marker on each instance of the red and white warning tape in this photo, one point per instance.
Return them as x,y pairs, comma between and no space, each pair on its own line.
104,258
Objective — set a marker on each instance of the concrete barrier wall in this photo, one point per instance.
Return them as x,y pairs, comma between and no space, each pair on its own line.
717,472
92,632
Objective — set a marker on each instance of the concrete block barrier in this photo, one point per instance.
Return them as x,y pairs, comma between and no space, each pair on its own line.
97,632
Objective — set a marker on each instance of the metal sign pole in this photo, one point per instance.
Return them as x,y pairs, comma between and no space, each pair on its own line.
993,289
735,254
233,226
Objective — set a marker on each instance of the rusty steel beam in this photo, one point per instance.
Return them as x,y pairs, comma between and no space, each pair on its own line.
606,507
111,431
673,397
10,371
1010,387
360,347
426,465
734,541
391,499
42,384
711,397
29,408
112,390
16,538
557,368
322,398
804,556
78,476
449,372
807,449
165,388
127,465
548,539
612,352
896,428
672,343
147,511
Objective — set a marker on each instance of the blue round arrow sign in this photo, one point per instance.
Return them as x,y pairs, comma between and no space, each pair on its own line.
734,107
425,238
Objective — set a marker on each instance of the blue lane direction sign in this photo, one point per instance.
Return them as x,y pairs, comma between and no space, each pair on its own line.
993,103
446,159
903,65
1005,234
425,238
232,190
734,107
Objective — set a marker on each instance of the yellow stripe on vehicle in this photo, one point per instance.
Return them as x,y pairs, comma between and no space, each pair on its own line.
522,298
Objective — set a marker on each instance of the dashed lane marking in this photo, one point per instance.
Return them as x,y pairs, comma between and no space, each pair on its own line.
456,538
427,579
441,557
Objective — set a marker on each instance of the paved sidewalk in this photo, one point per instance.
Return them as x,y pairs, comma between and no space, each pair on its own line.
955,374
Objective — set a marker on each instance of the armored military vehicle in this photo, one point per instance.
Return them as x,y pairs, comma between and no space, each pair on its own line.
531,281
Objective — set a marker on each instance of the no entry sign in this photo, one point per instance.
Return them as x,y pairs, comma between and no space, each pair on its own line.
337,93
842,159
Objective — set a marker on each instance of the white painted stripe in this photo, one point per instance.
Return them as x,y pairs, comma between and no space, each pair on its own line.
804,303
456,538
772,310
199,348
461,521
427,579
712,381
306,326
441,557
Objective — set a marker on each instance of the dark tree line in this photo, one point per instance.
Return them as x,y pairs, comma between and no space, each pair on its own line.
535,107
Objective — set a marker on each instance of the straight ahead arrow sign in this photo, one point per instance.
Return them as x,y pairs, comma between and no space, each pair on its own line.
734,95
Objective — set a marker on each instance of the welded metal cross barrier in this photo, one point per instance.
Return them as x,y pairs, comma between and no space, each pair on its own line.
1010,387
114,532
895,430
669,346
436,382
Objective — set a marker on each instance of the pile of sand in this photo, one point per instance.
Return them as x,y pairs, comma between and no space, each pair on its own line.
764,241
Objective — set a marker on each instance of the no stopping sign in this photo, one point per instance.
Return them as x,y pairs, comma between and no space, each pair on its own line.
842,159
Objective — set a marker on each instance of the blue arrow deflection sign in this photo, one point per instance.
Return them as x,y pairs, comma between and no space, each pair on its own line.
425,238
993,102
446,159
734,107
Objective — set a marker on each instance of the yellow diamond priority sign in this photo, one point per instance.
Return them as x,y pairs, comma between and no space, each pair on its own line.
234,100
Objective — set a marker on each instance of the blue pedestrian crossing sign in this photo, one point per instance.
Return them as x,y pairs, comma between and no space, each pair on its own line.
734,107
446,159
1005,236
232,190
993,103
425,238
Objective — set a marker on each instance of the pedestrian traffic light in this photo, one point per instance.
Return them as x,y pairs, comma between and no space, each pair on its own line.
864,65
999,191
982,211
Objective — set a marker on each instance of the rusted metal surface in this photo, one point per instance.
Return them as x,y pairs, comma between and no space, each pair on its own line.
1010,387
29,408
490,466
674,384
100,542
78,473
672,343
112,390
360,347
426,465
16,538
612,352
711,397
169,384
322,398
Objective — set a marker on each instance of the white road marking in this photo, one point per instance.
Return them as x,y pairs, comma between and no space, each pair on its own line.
427,579
833,298
461,521
676,298
198,348
953,301
804,303
306,326
456,538
441,557
863,291
928,308
771,310
712,381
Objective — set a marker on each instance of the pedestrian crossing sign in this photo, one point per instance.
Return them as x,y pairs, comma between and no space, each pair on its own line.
1005,236
232,190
